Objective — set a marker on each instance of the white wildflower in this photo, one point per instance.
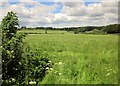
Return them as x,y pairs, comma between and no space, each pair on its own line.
107,74
51,68
60,73
12,51
60,63
49,61
114,71
32,82
20,63
0,46
47,68
56,71
13,79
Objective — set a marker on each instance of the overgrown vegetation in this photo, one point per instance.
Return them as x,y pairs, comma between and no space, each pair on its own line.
108,29
79,59
12,49
57,58
95,31
20,65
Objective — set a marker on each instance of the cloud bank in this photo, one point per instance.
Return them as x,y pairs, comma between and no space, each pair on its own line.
35,13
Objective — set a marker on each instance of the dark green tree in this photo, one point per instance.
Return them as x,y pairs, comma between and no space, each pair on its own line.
20,64
9,25
12,50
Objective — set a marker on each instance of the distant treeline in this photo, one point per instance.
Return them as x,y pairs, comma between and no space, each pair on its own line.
113,28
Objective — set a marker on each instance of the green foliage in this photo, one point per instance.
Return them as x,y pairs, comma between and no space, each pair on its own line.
12,50
81,59
95,31
82,29
20,65
23,27
38,64
9,25
85,59
77,31
112,28
45,31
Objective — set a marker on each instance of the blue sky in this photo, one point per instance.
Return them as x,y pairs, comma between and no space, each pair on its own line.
87,3
62,14
13,1
58,9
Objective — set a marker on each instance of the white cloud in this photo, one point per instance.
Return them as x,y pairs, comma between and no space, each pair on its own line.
34,13
95,10
94,14
38,13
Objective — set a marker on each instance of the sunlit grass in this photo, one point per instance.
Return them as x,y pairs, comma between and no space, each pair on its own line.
79,59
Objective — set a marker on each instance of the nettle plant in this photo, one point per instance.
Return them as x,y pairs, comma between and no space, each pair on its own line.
20,65
39,65
12,49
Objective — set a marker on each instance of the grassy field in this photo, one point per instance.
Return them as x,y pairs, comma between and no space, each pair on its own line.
78,59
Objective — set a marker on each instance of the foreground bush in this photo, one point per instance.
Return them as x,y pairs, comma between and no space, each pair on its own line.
38,65
20,65
12,50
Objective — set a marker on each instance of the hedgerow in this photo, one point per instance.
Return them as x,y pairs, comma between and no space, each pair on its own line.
20,65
